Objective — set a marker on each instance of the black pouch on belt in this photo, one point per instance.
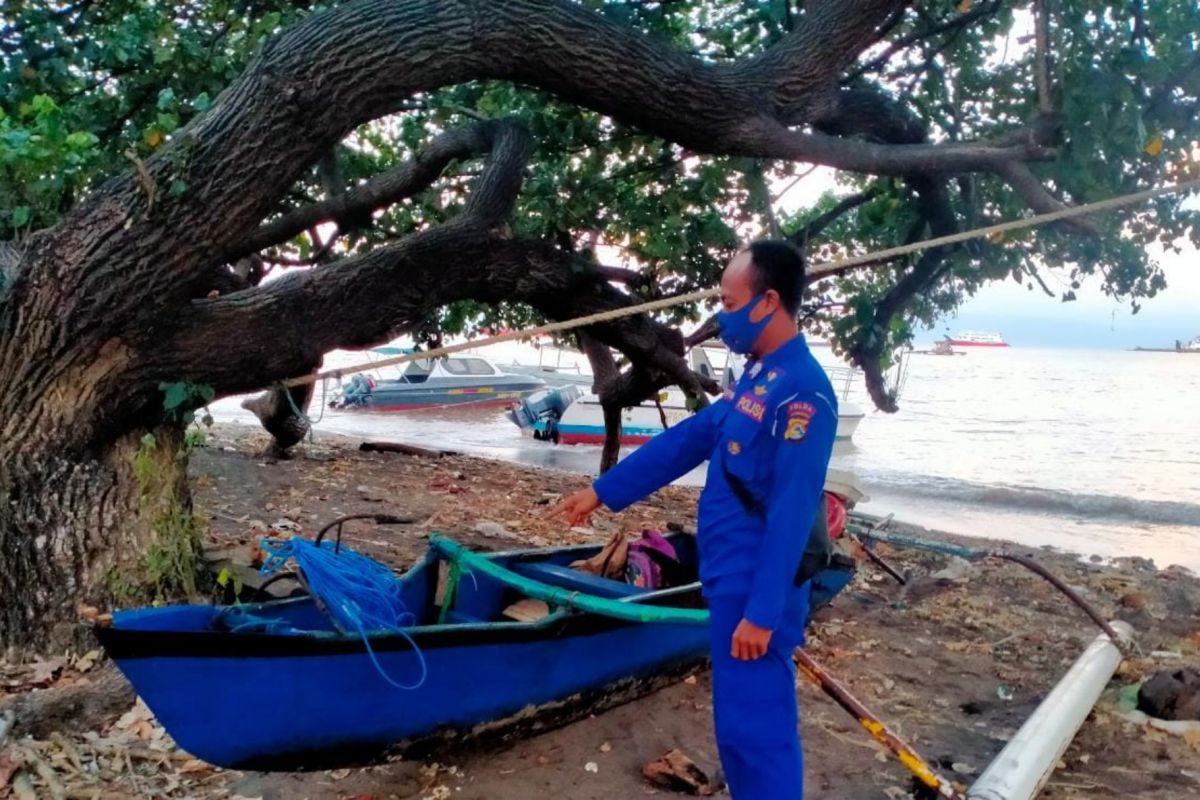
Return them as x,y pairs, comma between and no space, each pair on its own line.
818,552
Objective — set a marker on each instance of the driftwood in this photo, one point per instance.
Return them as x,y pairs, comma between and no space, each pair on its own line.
406,449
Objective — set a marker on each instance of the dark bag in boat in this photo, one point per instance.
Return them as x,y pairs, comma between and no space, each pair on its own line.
818,553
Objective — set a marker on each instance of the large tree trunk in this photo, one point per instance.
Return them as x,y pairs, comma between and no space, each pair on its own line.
77,527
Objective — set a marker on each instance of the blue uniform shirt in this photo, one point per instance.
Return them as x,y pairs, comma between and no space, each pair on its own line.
774,433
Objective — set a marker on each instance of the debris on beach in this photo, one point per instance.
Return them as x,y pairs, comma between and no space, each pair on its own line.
675,771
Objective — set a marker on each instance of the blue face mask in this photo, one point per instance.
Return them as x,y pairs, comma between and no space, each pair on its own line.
738,331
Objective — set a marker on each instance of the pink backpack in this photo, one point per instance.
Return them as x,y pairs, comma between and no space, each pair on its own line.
652,563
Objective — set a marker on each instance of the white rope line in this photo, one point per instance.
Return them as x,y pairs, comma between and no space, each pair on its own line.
816,272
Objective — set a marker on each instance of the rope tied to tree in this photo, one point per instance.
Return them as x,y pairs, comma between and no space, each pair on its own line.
817,272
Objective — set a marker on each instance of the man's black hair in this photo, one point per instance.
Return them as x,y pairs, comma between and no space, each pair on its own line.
779,265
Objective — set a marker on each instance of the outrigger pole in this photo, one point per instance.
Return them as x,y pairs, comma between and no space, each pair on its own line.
874,726
1025,764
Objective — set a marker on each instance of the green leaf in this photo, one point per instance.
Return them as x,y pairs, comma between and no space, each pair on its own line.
202,102
81,140
20,216
174,395
178,187
166,99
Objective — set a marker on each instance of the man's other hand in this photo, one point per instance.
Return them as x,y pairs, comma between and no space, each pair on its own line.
750,641
577,508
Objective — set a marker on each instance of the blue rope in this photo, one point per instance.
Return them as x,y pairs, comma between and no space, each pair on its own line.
358,593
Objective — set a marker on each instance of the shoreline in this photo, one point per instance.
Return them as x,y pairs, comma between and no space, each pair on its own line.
949,661
227,433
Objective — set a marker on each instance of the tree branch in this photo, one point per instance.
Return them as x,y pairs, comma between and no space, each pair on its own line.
1021,178
382,190
815,226
337,69
953,24
1042,59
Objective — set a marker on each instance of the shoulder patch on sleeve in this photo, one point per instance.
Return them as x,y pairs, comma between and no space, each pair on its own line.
798,416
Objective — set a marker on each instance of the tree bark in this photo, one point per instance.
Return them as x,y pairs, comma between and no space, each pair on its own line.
283,414
74,527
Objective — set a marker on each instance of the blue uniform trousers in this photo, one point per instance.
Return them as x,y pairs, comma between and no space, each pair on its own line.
754,703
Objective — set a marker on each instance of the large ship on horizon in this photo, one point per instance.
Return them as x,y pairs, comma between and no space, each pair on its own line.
977,339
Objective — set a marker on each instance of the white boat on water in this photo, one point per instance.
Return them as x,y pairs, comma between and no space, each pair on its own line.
557,366
547,417
977,339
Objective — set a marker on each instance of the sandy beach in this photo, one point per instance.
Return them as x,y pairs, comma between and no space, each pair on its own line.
954,664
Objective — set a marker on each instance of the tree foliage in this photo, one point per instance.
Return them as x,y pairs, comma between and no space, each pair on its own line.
93,88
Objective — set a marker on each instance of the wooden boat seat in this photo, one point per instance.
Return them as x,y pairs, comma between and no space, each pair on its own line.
558,575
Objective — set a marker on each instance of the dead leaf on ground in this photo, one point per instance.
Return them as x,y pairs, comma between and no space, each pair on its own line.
677,772
131,719
88,660
8,766
45,671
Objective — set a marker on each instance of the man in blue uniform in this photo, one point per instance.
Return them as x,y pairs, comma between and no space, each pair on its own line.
768,443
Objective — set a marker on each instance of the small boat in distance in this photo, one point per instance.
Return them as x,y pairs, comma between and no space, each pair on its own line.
977,339
1192,347
452,381
942,347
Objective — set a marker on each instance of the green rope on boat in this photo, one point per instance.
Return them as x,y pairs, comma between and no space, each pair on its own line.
461,558
451,591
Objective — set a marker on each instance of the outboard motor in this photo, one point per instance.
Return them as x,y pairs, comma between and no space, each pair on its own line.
545,406
356,392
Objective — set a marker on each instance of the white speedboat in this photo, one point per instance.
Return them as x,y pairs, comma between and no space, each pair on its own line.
436,383
551,416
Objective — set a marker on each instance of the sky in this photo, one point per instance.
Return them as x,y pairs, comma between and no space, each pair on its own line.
1093,321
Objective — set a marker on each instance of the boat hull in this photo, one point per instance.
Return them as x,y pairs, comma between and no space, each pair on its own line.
252,705
848,422
389,396
969,343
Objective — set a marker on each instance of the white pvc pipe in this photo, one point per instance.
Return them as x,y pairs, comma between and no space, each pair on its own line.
1027,761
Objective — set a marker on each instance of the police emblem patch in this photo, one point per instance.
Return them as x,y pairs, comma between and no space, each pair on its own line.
734,448
798,417
760,390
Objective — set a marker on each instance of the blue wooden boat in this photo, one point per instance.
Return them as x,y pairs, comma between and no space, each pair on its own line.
274,685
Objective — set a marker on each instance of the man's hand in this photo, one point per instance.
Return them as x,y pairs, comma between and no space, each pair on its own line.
750,641
576,508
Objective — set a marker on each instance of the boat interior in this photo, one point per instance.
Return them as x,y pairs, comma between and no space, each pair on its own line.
437,597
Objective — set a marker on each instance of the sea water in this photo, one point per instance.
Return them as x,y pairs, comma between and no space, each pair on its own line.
1095,452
